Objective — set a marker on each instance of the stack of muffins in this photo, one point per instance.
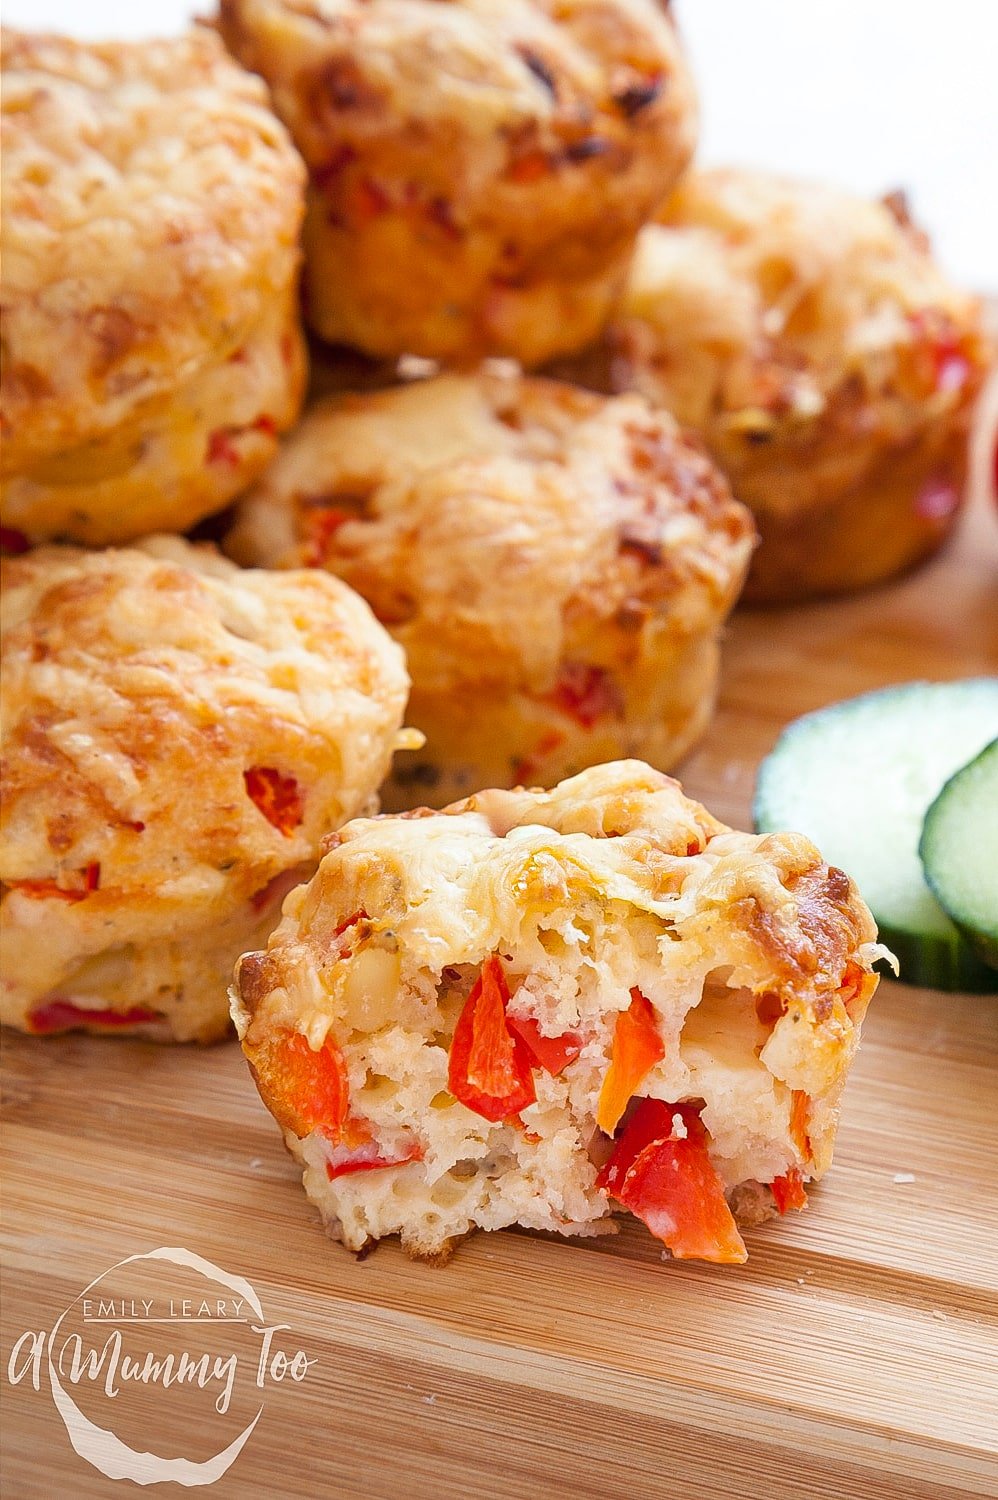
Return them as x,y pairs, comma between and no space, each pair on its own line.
215,599
470,192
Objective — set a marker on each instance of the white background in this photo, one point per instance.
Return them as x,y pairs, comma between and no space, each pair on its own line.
871,94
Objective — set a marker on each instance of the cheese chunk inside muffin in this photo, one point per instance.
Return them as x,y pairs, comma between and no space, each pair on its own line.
536,1007
178,736
557,565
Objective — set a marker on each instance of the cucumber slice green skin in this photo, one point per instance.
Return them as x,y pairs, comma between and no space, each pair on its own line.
936,963
959,852
857,778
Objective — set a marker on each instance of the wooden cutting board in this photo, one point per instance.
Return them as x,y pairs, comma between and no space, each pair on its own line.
856,1355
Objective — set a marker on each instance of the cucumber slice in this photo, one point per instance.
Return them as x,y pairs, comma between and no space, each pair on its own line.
858,778
959,851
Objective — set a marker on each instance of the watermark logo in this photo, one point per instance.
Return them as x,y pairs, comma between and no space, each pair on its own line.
165,1348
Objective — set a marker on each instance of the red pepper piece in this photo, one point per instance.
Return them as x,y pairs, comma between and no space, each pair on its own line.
524,771
82,882
552,1053
222,449
302,1088
489,1069
856,989
937,499
637,1047
277,797
800,1122
323,522
788,1191
223,446
530,167
66,1015
939,350
366,200
367,1158
13,542
586,693
664,1175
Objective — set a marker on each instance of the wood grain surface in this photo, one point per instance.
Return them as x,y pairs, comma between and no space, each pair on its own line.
854,1356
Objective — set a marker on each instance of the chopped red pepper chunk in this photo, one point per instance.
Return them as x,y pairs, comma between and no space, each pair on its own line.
788,1191
277,797
530,167
82,883
221,448
366,200
937,499
637,1047
527,769
856,989
586,693
489,1069
66,1015
552,1053
323,522
222,445
302,1088
800,1121
13,542
360,915
346,1159
664,1175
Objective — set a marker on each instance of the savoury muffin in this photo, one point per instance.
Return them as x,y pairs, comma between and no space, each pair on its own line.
812,342
151,343
178,736
556,565
531,1006
478,170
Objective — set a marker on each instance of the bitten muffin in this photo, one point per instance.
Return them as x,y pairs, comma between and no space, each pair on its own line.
556,565
532,1007
151,342
830,368
178,736
478,169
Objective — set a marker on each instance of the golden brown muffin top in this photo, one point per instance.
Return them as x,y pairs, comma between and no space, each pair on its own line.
485,516
176,730
580,78
766,300
151,204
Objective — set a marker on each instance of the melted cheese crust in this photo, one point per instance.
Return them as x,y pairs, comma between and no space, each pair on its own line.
479,169
810,339
556,565
139,689
152,210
